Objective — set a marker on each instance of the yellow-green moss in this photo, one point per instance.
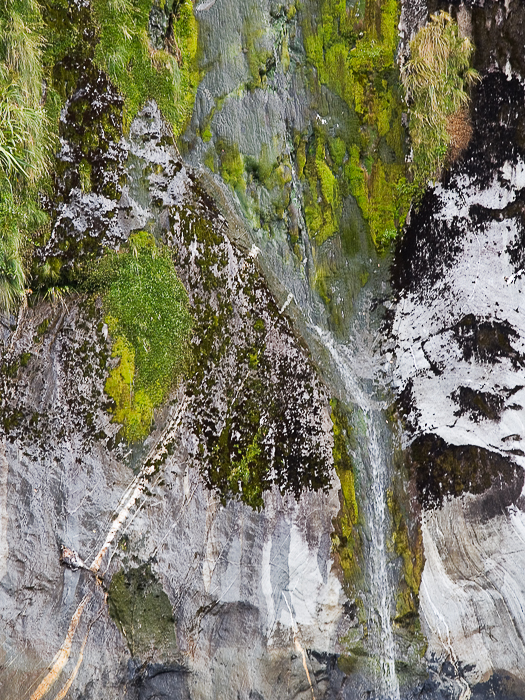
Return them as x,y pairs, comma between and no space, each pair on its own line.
345,538
355,59
231,165
133,409
124,51
149,321
410,549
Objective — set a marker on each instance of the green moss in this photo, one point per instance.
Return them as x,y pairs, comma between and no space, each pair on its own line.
209,159
124,52
231,165
301,158
84,170
258,56
355,60
148,317
322,200
410,549
134,409
143,613
337,148
345,538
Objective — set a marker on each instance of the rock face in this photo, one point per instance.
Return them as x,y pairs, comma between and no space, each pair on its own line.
460,342
259,543
253,602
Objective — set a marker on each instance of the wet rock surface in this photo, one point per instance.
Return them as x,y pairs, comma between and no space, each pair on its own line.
460,341
243,592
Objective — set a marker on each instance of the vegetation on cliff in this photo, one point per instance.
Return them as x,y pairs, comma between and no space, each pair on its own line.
24,141
148,317
142,71
353,52
46,51
437,79
345,537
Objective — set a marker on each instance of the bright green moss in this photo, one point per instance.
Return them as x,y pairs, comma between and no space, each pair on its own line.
322,201
124,51
355,59
149,320
133,409
337,148
231,165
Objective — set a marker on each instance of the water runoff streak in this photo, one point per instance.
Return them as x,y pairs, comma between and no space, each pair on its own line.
374,455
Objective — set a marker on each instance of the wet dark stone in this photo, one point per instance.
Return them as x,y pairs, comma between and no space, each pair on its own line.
442,470
500,686
487,341
478,404
156,681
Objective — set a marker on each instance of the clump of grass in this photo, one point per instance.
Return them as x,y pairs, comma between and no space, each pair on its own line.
24,141
437,79
150,322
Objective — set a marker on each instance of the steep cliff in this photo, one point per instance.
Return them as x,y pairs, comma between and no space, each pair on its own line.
246,453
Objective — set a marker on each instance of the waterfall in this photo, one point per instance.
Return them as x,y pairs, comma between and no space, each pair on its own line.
374,455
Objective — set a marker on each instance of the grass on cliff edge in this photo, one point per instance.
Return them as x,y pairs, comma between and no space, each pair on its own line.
437,79
150,322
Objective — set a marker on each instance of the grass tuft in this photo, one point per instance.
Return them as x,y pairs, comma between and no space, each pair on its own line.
437,79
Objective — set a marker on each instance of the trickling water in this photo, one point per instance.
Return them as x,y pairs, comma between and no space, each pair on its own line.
376,461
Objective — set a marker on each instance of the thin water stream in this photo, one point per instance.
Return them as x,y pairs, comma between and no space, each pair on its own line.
373,455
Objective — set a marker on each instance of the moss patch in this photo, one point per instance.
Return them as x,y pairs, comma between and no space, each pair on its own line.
353,55
345,538
143,613
148,316
410,549
140,71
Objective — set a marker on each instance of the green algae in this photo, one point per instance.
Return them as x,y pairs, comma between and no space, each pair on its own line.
142,612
